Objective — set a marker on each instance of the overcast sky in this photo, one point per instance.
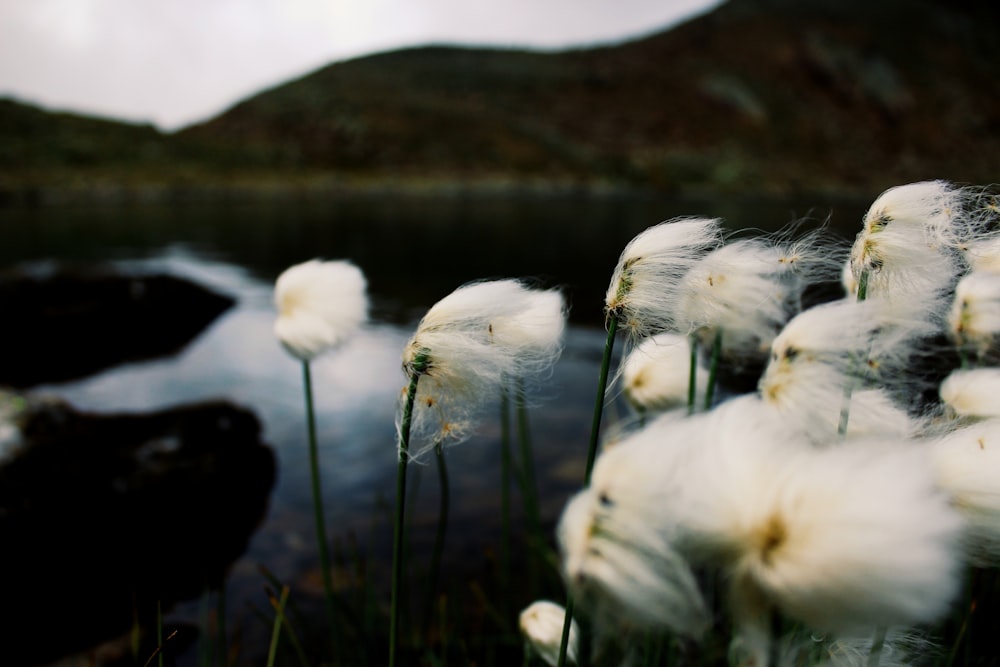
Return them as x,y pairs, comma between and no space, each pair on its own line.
174,62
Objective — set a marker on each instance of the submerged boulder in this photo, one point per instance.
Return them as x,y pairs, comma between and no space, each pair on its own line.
101,516
62,324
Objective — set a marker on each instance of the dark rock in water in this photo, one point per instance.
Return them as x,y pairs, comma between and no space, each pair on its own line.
101,516
65,325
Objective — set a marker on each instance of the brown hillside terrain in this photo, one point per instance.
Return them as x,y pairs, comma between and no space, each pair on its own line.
757,96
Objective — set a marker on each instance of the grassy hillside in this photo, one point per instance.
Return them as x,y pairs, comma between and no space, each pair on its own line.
772,95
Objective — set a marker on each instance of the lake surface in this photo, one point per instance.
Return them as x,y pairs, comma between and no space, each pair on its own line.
414,250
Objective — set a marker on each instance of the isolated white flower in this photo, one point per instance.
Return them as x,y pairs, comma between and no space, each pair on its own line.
910,239
974,319
468,344
973,393
641,293
615,537
656,373
967,462
320,305
541,624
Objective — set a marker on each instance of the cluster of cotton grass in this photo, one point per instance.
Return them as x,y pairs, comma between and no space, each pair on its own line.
827,517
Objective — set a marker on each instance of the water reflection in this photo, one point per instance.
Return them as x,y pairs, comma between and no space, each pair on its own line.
413,252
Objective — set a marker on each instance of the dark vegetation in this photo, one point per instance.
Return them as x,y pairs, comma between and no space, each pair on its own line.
763,96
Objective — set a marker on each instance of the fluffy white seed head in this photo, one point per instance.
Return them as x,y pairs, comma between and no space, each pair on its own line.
972,393
655,374
641,293
974,318
320,305
541,625
827,348
983,254
468,344
737,289
810,398
909,240
837,538
967,463
615,537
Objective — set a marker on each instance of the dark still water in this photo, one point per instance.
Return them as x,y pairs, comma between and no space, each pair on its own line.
413,251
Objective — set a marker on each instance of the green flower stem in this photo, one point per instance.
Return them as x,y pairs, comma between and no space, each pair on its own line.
602,385
279,616
417,369
595,429
692,375
317,497
713,369
442,527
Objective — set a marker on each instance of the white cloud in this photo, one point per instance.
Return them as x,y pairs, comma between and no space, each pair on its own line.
176,62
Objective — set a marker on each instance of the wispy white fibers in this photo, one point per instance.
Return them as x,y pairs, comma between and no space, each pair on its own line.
615,539
967,462
910,240
320,304
972,393
655,374
811,397
827,349
837,538
641,293
467,344
541,626
736,290
902,647
974,319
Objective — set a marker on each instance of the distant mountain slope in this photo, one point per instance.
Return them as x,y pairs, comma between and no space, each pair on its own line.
773,95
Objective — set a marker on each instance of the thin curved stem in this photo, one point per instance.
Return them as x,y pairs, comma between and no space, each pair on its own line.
595,429
317,498
418,367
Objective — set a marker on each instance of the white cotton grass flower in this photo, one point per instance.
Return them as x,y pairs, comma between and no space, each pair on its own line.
615,539
737,289
974,318
972,393
837,538
967,463
909,240
320,305
468,344
811,398
655,374
843,346
541,625
983,254
641,293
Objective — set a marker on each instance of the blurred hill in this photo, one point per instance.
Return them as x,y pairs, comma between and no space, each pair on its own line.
770,96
